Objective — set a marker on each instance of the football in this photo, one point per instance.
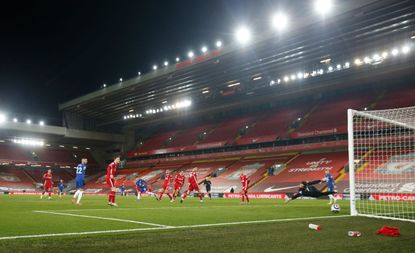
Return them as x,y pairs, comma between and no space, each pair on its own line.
335,208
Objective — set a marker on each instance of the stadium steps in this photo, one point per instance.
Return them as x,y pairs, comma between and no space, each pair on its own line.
304,119
208,133
29,176
265,175
378,98
252,126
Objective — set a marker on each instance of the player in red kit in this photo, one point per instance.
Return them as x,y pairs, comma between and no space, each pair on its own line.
47,184
168,178
178,184
111,169
193,186
244,191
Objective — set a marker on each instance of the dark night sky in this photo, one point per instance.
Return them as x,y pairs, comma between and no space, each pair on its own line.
53,51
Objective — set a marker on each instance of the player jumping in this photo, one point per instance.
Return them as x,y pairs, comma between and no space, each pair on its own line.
193,186
111,169
47,184
308,190
331,185
168,178
142,187
80,181
178,184
61,186
245,184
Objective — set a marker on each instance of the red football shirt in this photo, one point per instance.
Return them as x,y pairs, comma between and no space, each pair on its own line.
179,179
244,181
47,177
111,169
193,178
167,179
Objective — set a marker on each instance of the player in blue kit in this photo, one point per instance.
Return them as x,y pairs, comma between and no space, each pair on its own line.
60,188
142,187
331,184
80,181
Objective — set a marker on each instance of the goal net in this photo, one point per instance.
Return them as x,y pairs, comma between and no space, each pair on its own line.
382,163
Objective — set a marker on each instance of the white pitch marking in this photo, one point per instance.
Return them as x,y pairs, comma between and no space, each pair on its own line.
102,218
167,227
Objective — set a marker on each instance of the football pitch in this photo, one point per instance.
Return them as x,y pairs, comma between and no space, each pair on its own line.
29,224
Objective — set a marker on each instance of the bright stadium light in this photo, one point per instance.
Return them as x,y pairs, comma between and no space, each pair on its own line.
121,79
218,44
177,59
204,49
376,57
323,7
358,62
3,118
28,121
330,69
279,21
293,77
395,52
286,79
166,63
104,85
405,49
15,120
41,123
243,35
338,66
300,75
385,55
190,54
29,142
367,60
154,67
347,64
139,73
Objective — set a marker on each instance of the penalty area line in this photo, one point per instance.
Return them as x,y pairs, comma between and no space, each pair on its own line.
167,227
102,218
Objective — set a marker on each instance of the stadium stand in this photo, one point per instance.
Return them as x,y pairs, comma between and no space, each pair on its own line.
228,131
330,117
397,97
23,168
273,125
254,168
190,136
12,179
303,167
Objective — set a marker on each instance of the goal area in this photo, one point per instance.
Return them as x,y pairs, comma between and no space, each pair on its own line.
381,147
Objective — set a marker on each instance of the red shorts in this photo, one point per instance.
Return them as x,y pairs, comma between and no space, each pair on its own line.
111,182
47,186
177,187
193,187
244,191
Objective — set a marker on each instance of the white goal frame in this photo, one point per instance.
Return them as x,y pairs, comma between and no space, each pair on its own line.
354,197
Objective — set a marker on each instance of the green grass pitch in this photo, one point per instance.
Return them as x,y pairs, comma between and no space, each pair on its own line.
217,225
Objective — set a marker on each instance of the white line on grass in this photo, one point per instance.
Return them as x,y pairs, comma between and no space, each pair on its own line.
168,227
102,218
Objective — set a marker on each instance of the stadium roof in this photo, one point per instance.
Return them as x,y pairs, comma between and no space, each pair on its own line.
259,71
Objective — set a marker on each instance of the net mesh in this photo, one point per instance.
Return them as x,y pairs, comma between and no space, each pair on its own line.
384,162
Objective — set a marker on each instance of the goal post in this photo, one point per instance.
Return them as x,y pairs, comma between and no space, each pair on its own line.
381,147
